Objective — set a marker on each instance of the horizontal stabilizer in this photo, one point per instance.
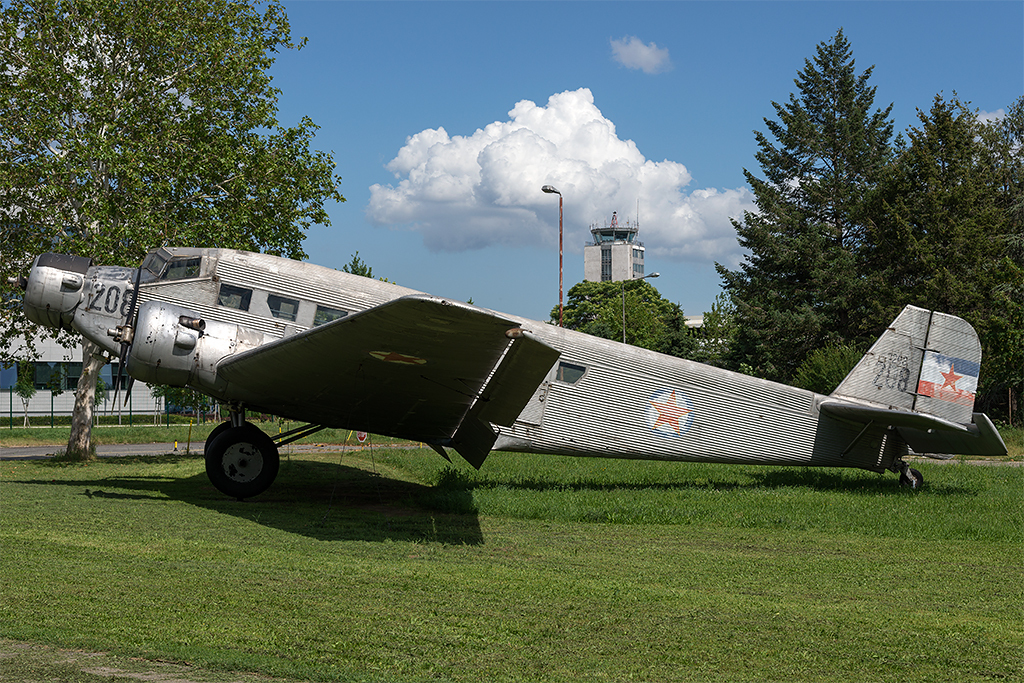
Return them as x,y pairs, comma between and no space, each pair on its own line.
926,434
856,412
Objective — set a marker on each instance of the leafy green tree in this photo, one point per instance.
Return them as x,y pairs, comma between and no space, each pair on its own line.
717,334
127,124
25,384
597,308
183,397
799,287
357,267
825,368
944,236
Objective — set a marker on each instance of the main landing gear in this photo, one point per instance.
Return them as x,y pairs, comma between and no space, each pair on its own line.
241,460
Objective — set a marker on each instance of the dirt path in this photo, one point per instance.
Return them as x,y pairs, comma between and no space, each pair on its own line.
31,663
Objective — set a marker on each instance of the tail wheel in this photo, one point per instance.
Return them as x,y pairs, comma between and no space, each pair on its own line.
241,462
911,479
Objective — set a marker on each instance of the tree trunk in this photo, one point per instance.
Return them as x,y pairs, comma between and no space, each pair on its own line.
80,442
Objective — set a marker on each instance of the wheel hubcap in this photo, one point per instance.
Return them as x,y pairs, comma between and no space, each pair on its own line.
242,462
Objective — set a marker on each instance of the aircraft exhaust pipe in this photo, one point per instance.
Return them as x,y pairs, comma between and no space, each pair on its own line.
197,324
20,282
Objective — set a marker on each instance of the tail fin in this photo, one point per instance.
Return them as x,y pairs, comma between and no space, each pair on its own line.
926,362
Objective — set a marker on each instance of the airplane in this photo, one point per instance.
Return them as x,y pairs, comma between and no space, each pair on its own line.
267,334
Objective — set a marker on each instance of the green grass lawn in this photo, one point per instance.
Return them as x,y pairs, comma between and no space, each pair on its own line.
391,565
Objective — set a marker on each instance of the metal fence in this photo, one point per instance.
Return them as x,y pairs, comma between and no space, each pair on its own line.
141,408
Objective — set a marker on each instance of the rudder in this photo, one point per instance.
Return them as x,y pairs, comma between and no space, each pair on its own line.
925,362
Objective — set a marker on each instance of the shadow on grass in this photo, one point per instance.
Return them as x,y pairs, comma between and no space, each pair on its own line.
720,477
326,501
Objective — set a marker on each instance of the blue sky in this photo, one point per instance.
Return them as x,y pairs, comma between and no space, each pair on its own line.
445,118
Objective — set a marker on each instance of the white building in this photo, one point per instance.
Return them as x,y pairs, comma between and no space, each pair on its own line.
60,366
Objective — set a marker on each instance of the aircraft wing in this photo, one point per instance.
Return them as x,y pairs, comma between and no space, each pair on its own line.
418,367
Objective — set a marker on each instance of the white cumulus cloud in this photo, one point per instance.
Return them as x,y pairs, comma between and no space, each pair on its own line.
633,53
473,191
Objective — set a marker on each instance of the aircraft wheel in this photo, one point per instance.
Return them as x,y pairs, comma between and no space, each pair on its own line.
242,462
911,479
217,431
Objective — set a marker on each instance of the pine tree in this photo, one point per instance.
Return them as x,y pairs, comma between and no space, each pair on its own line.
798,289
945,233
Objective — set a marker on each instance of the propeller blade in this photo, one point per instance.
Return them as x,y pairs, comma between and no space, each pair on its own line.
128,389
126,346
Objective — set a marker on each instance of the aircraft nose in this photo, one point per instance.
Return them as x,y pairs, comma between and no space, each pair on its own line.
54,288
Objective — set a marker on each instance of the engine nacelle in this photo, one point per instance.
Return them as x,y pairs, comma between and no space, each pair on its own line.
55,288
175,346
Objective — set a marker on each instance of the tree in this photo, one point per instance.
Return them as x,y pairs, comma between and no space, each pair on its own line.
945,233
825,368
357,267
597,308
25,385
799,287
127,124
717,334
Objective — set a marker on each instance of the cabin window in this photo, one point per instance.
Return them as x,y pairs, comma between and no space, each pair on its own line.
283,308
234,297
182,268
325,315
569,373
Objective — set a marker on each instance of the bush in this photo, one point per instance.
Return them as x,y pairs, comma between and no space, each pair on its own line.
825,368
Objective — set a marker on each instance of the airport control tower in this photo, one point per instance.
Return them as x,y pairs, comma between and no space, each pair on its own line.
615,254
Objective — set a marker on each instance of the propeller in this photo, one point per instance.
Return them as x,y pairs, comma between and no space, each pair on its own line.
126,334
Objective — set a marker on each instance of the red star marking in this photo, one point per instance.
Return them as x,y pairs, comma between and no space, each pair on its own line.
669,413
392,357
951,378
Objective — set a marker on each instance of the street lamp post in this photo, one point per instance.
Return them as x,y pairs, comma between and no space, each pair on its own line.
652,275
551,190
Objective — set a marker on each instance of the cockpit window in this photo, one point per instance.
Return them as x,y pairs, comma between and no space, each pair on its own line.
283,308
182,267
325,315
154,263
234,297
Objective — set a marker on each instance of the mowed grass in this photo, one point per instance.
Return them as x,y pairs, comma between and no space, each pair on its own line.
392,565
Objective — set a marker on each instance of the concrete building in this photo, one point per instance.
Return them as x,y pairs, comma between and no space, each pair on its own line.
615,254
59,367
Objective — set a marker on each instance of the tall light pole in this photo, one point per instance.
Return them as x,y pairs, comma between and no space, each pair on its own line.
624,302
551,190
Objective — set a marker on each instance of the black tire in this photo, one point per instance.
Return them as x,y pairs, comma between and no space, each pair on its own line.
911,479
217,431
242,462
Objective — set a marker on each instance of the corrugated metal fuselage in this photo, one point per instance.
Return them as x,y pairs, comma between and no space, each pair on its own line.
634,403
602,399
